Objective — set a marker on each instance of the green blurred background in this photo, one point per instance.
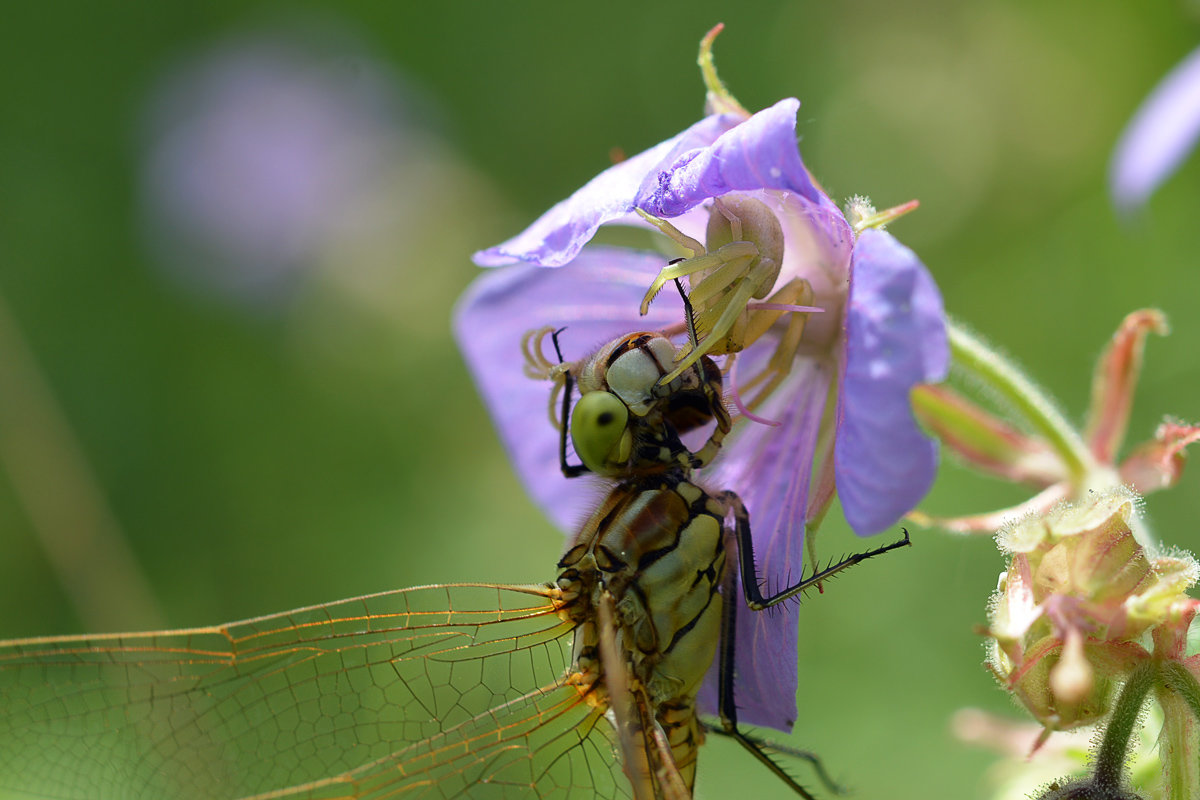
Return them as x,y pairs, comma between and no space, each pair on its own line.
319,437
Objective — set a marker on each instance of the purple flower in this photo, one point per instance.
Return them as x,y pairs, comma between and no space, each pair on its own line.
1160,135
260,154
880,333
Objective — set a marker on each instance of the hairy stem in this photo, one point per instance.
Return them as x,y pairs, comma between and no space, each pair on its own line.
1000,374
1110,758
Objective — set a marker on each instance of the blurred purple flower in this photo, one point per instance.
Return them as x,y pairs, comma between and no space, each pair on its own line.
881,332
258,153
1161,134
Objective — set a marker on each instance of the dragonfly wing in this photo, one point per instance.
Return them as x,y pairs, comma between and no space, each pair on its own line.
410,693
549,744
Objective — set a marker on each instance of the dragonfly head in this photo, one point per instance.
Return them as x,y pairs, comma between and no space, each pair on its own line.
627,421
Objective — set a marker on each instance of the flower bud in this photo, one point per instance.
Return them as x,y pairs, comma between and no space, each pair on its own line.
1078,594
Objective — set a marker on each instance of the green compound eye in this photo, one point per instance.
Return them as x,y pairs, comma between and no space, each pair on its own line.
599,429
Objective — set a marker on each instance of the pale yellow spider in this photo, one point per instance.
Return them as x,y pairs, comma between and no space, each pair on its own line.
739,266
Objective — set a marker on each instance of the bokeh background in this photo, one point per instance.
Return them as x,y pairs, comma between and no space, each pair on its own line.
231,236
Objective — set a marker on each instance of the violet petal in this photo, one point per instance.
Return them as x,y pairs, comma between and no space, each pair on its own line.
715,156
761,153
769,468
895,338
596,297
558,235
1161,134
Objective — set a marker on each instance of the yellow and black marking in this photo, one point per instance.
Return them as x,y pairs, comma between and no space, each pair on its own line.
657,547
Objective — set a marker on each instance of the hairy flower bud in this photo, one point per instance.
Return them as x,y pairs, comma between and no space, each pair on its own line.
1078,593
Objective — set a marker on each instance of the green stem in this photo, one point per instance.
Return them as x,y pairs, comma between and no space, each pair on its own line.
1180,680
1110,758
718,100
1177,746
974,354
1178,740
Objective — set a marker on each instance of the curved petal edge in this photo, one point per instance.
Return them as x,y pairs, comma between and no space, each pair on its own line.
895,338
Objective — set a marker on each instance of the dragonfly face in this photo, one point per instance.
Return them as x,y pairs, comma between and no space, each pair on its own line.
632,368
628,419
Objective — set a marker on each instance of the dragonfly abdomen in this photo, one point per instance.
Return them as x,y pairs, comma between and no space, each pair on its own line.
656,545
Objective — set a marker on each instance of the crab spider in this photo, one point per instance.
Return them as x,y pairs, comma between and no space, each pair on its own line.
739,266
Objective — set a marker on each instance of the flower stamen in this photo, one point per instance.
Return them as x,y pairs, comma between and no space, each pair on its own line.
736,396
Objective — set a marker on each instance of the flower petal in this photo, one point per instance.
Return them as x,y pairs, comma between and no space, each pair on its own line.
715,156
1115,379
1160,135
596,297
761,153
895,339
557,236
769,468
1158,463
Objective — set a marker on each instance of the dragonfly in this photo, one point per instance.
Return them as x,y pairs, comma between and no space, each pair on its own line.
584,686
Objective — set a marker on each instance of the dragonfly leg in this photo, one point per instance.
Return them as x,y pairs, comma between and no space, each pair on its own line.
568,470
727,706
769,747
712,394
745,547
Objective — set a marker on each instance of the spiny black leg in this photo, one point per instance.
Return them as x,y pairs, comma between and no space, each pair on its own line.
688,313
803,755
727,706
768,747
754,597
568,470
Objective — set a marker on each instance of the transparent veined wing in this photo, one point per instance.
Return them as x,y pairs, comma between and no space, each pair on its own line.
437,691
